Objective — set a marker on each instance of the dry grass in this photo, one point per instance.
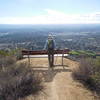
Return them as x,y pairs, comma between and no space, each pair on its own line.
18,80
84,70
88,73
6,61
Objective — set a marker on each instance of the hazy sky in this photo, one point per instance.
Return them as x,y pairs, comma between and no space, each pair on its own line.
49,11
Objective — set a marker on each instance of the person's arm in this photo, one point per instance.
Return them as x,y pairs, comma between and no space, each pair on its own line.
45,46
54,44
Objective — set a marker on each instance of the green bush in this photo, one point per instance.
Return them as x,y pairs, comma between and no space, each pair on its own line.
3,53
16,53
81,53
88,72
73,53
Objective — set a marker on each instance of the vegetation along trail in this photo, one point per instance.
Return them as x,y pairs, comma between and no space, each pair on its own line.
59,84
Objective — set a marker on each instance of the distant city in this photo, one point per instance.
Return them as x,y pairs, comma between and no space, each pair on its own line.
33,37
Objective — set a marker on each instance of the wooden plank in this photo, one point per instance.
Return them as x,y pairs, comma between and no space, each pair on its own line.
43,52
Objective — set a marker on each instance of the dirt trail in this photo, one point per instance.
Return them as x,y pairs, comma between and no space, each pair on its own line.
59,82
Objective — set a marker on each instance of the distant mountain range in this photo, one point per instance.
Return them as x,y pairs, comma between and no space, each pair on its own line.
61,28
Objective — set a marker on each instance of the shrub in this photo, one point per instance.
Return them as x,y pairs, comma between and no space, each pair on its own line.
7,61
81,54
18,81
84,70
15,53
88,72
4,53
18,54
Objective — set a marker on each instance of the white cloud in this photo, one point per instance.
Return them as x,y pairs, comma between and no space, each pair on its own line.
54,17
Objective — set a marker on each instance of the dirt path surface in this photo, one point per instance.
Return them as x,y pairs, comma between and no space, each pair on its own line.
59,82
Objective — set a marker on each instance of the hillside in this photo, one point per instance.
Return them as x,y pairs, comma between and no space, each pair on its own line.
59,84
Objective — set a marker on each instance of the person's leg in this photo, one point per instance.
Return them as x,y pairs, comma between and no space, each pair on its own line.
52,59
52,54
49,58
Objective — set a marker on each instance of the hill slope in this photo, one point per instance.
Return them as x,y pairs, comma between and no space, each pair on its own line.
59,82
